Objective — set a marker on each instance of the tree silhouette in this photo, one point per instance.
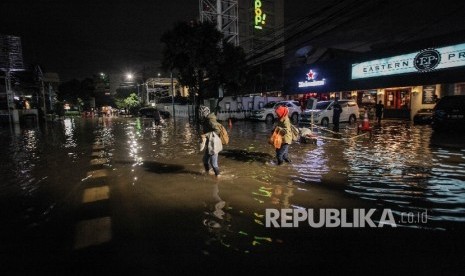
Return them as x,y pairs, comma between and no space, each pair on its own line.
201,60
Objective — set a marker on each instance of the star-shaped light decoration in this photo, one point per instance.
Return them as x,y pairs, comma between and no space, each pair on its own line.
311,75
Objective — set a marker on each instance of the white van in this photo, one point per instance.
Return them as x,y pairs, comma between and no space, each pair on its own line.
323,113
267,113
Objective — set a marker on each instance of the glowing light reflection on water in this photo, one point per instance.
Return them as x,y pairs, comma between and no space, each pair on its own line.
402,167
406,173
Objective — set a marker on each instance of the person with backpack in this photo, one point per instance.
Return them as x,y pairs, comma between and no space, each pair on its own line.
211,141
284,127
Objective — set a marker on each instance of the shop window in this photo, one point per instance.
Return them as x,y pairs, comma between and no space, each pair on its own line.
366,98
347,95
323,96
459,89
397,99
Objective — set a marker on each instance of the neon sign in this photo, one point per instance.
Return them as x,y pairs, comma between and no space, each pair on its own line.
311,80
259,15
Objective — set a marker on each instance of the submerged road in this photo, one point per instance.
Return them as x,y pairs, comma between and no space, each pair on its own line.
85,197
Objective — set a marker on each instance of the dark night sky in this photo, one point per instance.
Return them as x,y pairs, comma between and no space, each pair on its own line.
80,38
356,22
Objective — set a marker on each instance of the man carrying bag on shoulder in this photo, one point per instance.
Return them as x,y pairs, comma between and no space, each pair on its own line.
210,140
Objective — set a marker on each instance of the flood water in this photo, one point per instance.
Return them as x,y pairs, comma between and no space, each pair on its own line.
157,174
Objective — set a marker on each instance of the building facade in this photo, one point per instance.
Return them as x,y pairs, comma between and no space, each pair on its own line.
404,79
261,29
261,35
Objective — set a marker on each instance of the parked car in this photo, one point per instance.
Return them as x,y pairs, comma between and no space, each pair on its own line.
449,114
147,112
267,113
423,117
123,112
323,113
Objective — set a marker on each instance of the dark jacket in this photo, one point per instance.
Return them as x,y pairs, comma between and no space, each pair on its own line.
379,109
210,124
337,110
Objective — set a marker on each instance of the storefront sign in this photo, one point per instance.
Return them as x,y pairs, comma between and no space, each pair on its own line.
428,93
259,15
423,61
311,80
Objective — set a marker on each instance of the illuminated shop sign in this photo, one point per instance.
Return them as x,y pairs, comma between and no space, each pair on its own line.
423,61
311,80
259,15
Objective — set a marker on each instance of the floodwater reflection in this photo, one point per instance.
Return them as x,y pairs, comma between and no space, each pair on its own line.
403,167
401,170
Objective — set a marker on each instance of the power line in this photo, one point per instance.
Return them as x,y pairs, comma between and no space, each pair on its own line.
296,26
332,18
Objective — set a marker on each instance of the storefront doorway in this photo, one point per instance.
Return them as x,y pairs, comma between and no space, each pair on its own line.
397,103
366,101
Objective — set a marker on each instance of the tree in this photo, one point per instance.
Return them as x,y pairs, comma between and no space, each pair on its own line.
191,50
87,92
120,104
201,60
80,104
78,93
69,91
132,103
233,68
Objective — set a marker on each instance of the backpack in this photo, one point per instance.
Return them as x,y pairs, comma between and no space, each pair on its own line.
295,133
223,134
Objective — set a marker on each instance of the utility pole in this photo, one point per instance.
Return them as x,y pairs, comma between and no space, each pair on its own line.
9,96
224,13
172,92
42,90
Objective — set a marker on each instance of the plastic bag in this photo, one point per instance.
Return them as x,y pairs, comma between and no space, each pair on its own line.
203,142
276,139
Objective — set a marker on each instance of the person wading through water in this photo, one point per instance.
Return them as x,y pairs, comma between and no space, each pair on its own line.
284,127
211,141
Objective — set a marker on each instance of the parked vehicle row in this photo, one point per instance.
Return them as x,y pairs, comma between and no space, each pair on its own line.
267,113
147,112
323,113
449,114
423,117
